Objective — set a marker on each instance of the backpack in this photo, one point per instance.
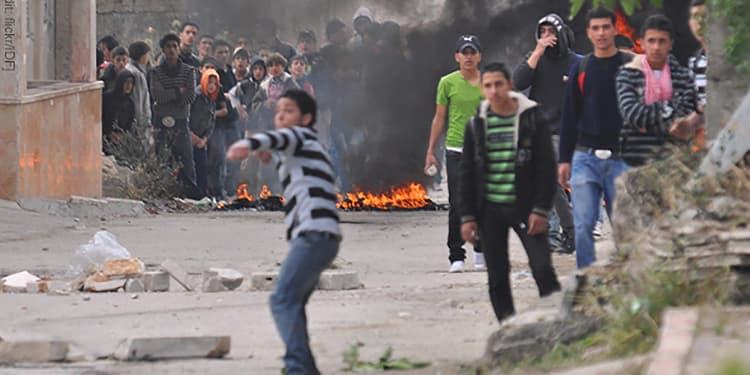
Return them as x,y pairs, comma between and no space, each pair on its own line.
624,59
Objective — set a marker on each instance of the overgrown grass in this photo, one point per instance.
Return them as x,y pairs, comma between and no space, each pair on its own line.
154,169
631,309
733,366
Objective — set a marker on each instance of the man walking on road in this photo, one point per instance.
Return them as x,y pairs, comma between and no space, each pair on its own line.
545,71
458,96
590,155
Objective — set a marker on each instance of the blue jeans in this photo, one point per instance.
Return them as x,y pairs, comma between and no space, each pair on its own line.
591,178
309,255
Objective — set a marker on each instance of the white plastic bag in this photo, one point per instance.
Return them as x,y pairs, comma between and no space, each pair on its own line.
101,247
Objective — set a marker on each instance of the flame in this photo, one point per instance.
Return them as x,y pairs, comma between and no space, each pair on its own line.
624,28
411,196
242,193
265,192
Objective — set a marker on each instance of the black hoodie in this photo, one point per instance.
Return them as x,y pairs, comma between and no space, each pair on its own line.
118,109
548,80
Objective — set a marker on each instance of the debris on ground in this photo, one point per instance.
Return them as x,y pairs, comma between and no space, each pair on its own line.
384,363
17,282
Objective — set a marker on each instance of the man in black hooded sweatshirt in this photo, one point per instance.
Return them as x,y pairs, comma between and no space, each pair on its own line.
544,70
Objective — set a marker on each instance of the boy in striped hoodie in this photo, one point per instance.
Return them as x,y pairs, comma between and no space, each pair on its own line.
312,222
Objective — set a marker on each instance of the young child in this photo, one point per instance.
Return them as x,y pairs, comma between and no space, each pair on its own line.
311,219
298,69
507,181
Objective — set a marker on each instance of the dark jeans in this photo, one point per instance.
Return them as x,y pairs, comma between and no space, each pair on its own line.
455,243
232,168
493,230
218,142
561,215
309,255
200,156
177,140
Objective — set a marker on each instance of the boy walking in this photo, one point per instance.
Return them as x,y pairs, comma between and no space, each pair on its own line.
507,180
312,223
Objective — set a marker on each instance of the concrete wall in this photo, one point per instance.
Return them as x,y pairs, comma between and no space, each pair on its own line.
50,142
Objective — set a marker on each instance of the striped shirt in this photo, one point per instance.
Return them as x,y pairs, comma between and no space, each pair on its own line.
307,176
166,82
500,179
698,64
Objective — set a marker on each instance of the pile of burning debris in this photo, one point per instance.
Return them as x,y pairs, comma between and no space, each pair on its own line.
410,197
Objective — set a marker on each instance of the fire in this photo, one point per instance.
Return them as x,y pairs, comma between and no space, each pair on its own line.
265,192
242,192
624,28
411,196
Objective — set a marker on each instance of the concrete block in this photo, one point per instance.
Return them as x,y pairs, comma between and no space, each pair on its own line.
134,286
125,207
157,348
230,278
264,280
33,351
104,286
177,273
213,284
123,267
84,207
156,281
17,282
339,280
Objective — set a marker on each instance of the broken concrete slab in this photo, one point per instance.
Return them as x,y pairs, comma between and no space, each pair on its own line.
84,207
134,286
231,279
264,280
155,281
213,284
157,348
33,351
329,280
339,280
104,286
123,267
17,282
177,273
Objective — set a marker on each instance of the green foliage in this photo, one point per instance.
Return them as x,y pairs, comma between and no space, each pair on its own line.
733,366
384,363
734,13
628,6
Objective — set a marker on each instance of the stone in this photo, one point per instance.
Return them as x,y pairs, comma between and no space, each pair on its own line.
159,348
155,281
731,144
177,273
33,351
675,341
532,334
134,286
104,286
17,282
264,280
213,284
230,278
123,267
84,207
37,287
339,280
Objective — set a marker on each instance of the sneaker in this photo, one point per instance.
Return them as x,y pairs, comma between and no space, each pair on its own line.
597,232
479,261
457,266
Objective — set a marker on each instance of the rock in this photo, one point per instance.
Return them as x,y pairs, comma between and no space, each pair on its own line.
213,284
158,348
264,280
525,337
230,278
339,280
177,273
134,286
732,143
33,351
156,281
105,286
114,268
17,282
37,287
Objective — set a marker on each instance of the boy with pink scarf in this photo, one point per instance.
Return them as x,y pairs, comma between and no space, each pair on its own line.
656,95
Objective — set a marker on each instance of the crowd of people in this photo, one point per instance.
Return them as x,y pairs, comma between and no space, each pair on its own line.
513,160
194,94
517,162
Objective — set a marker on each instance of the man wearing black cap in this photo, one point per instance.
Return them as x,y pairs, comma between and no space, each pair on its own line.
545,71
458,97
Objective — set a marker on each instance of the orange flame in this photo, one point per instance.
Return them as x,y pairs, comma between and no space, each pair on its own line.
242,193
411,196
624,28
265,192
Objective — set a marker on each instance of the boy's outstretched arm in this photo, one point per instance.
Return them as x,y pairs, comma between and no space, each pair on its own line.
273,140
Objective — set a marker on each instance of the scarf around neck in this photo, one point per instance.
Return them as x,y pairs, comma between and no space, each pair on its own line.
657,89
